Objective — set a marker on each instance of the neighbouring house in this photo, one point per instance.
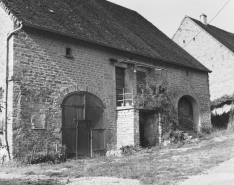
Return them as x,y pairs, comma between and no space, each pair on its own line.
214,48
73,71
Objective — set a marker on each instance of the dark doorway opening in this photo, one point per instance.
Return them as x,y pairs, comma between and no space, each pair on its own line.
148,121
83,130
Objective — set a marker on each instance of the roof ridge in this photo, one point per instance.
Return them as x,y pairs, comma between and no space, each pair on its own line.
210,25
120,6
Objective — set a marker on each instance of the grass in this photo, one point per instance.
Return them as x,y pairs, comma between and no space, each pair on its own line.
29,182
165,166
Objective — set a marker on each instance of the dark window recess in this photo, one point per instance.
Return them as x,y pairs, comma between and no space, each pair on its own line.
194,39
140,79
187,73
68,53
183,41
119,78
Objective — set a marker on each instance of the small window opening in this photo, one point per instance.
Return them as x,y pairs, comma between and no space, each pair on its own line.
38,120
194,39
68,52
187,73
184,41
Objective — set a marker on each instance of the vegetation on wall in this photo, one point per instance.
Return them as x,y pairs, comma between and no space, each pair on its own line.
225,119
32,98
220,102
155,96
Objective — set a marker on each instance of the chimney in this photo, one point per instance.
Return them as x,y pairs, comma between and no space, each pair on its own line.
203,18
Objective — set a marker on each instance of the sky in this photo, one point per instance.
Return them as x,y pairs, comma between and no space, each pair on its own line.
167,15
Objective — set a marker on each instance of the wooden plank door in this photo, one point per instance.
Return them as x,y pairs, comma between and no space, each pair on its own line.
185,109
72,110
83,138
83,112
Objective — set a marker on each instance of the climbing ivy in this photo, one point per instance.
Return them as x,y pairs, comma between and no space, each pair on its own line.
155,96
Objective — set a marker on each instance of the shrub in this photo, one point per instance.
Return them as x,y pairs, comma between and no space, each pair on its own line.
53,157
42,156
208,130
177,136
129,149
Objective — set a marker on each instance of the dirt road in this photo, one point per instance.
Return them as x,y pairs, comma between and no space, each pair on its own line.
223,174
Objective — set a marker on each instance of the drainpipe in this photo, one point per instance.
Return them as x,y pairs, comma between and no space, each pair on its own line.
9,35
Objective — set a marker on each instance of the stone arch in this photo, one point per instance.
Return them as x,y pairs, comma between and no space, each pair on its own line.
196,109
77,88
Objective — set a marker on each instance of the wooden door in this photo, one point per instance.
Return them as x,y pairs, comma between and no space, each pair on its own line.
185,109
94,113
82,113
119,77
83,138
73,111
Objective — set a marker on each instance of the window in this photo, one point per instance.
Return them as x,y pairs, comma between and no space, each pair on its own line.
119,78
187,73
140,75
38,117
68,52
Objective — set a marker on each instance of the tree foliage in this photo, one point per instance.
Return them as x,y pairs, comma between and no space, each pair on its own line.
153,96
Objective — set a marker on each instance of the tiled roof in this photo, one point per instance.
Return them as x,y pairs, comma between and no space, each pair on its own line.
224,37
102,22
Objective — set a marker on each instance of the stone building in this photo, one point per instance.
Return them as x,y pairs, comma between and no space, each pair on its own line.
214,48
70,65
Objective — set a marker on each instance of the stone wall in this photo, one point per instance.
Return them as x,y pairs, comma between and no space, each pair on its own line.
192,83
48,76
210,53
125,127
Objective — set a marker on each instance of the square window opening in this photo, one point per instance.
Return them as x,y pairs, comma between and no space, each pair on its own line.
68,51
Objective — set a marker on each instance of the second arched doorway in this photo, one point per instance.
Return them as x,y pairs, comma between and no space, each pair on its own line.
188,114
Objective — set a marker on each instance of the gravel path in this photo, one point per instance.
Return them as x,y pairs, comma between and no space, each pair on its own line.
15,179
104,181
223,174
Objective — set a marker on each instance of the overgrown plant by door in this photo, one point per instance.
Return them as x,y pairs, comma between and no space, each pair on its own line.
154,96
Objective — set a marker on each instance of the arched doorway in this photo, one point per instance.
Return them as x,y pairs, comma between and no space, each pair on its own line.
82,124
188,114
